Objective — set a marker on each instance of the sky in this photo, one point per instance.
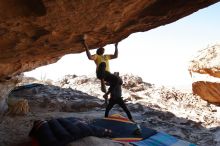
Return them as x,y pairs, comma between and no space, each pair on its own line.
160,56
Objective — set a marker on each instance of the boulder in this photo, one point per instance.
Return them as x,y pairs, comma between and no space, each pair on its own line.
205,72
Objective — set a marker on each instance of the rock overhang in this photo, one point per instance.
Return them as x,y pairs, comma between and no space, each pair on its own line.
39,32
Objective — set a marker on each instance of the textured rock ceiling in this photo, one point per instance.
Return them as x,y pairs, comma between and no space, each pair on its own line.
39,32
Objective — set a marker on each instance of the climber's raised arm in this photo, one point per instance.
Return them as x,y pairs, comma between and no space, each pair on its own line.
90,57
115,55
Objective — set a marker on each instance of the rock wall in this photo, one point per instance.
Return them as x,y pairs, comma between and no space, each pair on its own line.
5,88
38,32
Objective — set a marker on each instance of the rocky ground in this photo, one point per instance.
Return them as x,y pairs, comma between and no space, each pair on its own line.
178,113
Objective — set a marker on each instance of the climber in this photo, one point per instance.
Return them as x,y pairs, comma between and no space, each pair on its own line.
101,61
115,95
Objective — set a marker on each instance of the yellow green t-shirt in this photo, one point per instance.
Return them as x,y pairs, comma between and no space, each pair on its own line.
103,58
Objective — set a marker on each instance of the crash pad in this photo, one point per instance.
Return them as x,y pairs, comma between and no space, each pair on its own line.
162,139
123,129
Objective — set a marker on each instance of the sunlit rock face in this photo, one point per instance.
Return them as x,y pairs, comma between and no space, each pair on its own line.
38,32
207,90
207,61
205,71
